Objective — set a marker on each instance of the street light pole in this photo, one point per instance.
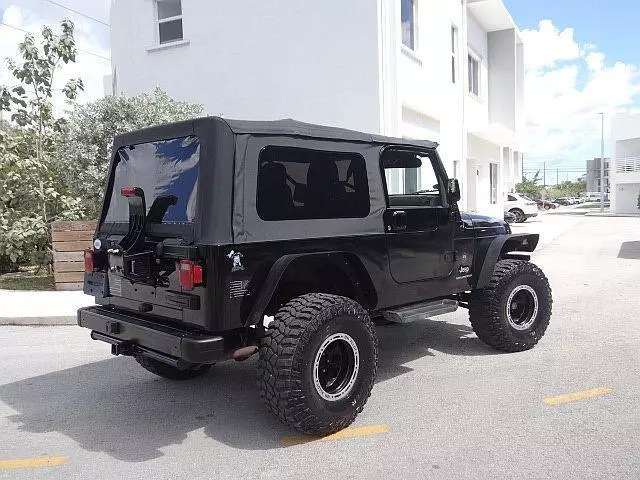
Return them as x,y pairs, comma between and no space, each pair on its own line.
601,162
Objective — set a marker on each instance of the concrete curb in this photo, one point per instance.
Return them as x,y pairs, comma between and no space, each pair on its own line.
605,214
39,321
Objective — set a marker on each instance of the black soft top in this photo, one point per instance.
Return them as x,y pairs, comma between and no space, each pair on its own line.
285,127
292,127
226,211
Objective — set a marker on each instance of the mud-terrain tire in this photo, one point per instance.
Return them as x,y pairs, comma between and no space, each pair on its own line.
519,215
317,363
512,313
167,371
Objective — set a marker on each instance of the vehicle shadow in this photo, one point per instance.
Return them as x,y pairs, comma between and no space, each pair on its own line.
114,406
404,343
629,250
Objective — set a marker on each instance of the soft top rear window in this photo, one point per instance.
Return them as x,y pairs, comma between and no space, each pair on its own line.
167,172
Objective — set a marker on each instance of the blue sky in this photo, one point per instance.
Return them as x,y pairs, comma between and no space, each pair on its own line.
584,58
612,25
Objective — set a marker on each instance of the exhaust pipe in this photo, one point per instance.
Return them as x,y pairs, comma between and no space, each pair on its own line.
243,353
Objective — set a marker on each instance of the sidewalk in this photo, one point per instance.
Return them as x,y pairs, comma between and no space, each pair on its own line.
20,307
597,213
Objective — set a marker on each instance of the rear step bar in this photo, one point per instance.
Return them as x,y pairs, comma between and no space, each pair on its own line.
420,311
120,347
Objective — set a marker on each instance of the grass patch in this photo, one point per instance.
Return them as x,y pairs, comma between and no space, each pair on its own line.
25,281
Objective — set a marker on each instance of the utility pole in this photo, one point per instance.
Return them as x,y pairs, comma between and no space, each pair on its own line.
557,176
601,162
544,174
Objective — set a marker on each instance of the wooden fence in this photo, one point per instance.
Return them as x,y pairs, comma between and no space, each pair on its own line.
70,239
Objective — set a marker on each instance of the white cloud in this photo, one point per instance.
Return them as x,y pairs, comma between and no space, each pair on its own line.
566,85
547,46
91,36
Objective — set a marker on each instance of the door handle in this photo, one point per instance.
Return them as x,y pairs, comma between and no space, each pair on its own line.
399,220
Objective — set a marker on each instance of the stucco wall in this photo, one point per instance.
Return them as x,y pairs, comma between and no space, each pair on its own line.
502,77
477,108
625,137
313,61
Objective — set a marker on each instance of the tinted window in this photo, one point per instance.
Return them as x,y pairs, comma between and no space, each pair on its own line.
297,183
511,198
167,172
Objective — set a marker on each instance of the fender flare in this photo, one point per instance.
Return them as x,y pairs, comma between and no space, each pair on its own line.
501,246
272,280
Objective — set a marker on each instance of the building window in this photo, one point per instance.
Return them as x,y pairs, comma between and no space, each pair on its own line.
408,19
474,75
300,184
169,20
493,183
454,52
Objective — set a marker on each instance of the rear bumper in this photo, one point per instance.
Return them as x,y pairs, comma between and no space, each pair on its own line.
130,335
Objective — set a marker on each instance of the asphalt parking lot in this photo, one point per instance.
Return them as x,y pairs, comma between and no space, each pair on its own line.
444,405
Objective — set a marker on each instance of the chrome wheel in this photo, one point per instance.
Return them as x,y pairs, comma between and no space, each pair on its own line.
522,307
336,366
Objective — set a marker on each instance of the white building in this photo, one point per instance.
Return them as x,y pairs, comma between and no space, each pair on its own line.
625,164
445,70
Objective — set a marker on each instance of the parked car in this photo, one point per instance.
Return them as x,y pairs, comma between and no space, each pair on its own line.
546,204
595,197
308,228
521,206
564,201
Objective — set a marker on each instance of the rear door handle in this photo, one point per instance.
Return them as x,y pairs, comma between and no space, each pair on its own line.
399,220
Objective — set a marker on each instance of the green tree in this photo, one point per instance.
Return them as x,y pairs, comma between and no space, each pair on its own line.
530,187
31,194
84,144
567,189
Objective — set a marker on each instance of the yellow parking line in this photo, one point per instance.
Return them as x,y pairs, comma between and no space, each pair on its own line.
33,462
575,396
346,433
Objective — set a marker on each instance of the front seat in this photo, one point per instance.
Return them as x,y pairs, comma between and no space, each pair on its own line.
275,199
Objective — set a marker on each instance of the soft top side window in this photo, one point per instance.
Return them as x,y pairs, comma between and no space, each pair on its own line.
411,178
298,184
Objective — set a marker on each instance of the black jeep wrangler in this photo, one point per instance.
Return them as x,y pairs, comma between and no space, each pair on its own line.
220,239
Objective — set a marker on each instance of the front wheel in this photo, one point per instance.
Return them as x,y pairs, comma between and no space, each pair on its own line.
318,362
513,312
519,215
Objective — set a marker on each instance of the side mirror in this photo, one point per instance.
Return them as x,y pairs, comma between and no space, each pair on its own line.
453,190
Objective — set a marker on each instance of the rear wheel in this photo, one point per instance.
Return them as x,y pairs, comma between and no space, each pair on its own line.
318,362
167,371
519,215
513,312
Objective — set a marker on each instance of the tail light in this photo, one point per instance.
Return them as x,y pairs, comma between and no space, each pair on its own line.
190,274
88,260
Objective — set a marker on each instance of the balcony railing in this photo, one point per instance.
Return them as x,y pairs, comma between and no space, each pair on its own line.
627,164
